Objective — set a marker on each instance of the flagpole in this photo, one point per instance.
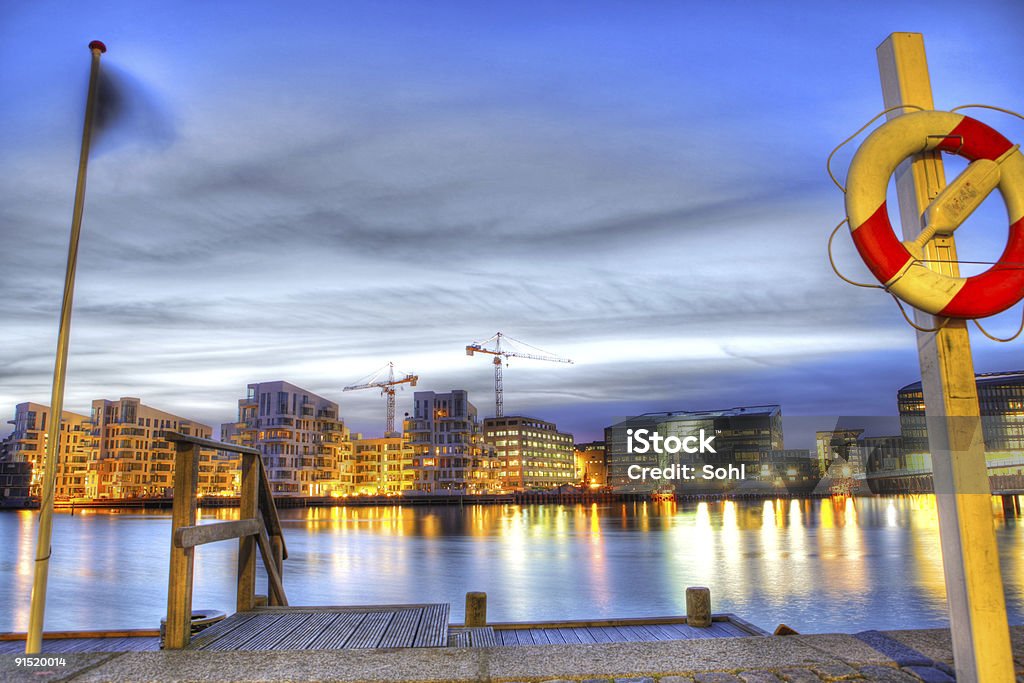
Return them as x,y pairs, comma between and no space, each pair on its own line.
33,644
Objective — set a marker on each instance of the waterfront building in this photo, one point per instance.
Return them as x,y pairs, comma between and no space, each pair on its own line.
838,443
531,453
1000,398
128,456
449,453
15,476
884,453
305,443
27,443
795,470
592,464
1001,403
741,434
383,466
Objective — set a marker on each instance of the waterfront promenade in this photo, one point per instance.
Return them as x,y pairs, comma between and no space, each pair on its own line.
889,657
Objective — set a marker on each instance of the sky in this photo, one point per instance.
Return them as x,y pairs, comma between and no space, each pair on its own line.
307,191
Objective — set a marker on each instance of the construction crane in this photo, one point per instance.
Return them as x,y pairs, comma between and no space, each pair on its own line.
387,388
500,358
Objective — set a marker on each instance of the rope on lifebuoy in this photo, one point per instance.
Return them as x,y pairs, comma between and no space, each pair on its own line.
899,266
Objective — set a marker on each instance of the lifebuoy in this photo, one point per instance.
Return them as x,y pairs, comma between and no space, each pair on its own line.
897,264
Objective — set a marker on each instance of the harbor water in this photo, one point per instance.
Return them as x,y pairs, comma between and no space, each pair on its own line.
818,565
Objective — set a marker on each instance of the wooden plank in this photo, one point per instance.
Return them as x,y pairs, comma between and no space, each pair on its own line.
191,536
552,635
573,636
272,635
458,638
179,581
276,588
218,630
310,630
483,636
234,639
524,637
433,627
599,634
659,632
370,631
247,509
112,633
347,608
401,631
179,438
338,633
268,508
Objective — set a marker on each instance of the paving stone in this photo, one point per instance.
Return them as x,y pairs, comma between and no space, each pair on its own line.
758,677
835,672
799,676
930,674
715,677
887,674
675,679
634,680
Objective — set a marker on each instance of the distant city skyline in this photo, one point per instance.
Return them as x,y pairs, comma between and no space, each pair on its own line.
305,197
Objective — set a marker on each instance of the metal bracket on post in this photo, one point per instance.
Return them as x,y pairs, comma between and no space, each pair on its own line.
970,557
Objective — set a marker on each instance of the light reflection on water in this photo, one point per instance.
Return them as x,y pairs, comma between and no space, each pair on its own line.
817,565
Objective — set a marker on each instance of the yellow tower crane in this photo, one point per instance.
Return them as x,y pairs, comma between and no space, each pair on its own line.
387,388
500,358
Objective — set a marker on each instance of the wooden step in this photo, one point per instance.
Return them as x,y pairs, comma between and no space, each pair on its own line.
472,636
329,628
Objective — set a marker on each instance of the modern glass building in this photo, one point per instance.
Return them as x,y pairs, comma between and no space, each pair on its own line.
1001,399
742,436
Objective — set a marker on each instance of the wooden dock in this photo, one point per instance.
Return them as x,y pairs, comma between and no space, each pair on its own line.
387,627
267,622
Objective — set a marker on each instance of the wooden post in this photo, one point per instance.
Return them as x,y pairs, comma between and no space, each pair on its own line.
183,514
698,606
247,509
476,609
277,543
970,558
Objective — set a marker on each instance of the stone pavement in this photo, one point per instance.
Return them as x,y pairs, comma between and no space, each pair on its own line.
889,657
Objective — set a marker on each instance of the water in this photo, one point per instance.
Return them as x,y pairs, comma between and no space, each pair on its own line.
817,565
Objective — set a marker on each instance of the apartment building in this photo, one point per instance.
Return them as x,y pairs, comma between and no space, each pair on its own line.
531,454
449,453
592,464
305,443
27,443
383,467
128,456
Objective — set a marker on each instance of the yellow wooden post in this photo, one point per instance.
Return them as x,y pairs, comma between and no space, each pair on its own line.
970,557
178,630
247,509
476,609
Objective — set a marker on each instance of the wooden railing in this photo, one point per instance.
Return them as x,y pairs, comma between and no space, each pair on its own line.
257,527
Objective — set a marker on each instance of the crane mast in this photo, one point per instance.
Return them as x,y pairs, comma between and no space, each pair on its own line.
387,388
501,357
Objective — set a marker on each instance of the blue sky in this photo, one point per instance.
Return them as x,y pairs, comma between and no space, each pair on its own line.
307,191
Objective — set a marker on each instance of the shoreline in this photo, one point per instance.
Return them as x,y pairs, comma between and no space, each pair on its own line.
522,498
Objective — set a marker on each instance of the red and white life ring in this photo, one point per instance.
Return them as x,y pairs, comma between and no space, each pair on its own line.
889,259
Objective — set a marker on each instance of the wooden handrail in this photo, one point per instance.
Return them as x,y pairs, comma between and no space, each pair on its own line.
178,437
258,527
